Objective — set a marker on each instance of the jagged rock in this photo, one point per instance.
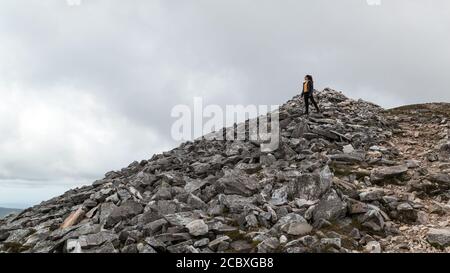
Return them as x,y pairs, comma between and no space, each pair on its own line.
164,207
371,194
411,164
149,215
241,246
195,202
235,148
355,234
145,248
89,203
267,159
310,186
251,220
99,183
330,207
79,198
439,237
283,239
202,242
422,217
306,241
271,214
124,194
322,223
348,149
300,130
293,224
197,228
156,244
309,212
218,241
105,210
269,245
237,203
183,247
444,151
443,179
302,203
180,219
372,220
4,235
279,196
113,198
73,246
387,173
406,212
193,185
17,236
162,194
126,210
94,240
373,247
200,168
248,168
297,229
129,249
155,226
237,182
327,243
348,158
171,238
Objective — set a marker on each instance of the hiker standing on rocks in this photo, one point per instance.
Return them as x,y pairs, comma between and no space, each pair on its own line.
307,94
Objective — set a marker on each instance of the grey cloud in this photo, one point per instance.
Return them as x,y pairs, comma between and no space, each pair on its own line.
120,67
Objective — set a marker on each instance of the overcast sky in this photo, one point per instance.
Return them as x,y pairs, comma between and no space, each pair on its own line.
87,89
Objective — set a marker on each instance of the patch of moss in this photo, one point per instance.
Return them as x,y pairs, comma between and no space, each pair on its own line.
240,236
235,235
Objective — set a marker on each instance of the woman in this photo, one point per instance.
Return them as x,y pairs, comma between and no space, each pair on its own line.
307,94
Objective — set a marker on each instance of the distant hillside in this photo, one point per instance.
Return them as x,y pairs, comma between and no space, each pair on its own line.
6,211
439,108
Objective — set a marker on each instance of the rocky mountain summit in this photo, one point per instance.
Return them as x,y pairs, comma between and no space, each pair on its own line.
354,178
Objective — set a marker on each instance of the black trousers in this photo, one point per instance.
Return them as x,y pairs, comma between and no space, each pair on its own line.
309,97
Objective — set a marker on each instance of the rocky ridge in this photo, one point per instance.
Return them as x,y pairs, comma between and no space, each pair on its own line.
354,178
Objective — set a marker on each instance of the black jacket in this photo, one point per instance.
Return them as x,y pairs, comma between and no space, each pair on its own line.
310,88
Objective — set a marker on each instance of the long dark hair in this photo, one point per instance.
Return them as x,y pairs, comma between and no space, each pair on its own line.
309,77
